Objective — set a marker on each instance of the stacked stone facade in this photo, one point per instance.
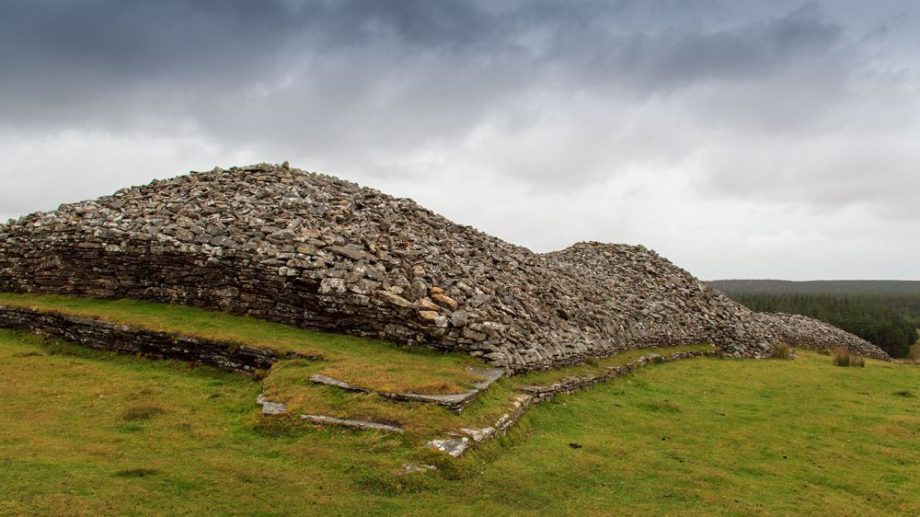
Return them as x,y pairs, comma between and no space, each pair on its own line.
319,252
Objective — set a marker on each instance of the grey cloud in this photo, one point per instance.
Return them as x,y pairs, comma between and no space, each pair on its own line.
667,60
362,74
355,68
809,103
82,61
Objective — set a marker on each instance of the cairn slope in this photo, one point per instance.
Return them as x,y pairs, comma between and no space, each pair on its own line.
319,252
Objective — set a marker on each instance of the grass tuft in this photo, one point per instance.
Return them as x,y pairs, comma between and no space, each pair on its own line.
278,428
665,406
843,357
387,483
136,473
24,355
782,351
142,412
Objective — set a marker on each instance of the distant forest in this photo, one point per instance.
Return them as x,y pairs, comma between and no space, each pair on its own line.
886,313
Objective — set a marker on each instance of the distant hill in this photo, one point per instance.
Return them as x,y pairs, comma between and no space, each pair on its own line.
884,312
834,287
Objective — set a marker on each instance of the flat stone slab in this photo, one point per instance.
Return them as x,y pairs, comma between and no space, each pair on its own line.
410,468
452,446
329,381
454,401
489,376
478,435
357,424
271,408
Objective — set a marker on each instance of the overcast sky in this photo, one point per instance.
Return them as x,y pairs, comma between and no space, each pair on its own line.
768,139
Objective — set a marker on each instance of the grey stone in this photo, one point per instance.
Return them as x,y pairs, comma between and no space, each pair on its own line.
452,446
271,408
395,299
455,402
332,286
410,468
329,381
352,253
356,424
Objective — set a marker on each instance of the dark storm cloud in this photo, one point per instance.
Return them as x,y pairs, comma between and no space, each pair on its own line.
86,60
316,73
750,104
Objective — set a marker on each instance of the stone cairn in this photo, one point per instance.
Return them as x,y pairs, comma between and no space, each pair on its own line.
315,251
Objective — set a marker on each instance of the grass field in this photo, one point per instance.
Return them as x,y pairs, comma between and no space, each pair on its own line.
368,363
360,361
88,432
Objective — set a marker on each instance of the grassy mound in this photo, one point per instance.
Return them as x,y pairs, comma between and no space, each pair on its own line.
367,363
370,363
88,432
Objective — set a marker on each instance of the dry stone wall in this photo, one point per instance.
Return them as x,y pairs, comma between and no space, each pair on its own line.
462,439
103,335
319,252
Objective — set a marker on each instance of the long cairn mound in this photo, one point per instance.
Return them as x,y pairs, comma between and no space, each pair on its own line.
319,252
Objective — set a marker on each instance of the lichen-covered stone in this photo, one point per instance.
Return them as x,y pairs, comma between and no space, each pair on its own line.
455,401
270,408
452,446
356,424
315,251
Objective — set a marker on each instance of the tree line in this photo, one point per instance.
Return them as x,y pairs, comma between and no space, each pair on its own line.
890,321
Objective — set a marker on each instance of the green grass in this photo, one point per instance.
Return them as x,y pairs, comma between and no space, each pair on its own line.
370,363
289,382
703,436
596,367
